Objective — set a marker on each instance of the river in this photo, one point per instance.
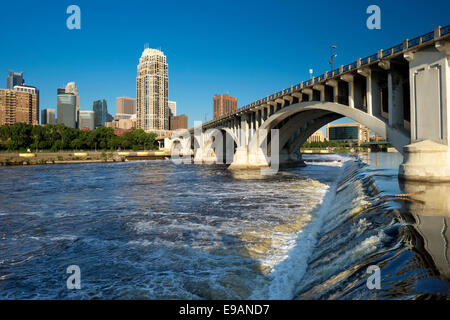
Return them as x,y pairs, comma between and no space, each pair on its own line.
156,230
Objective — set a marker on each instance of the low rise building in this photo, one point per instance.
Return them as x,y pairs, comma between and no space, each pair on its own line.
349,132
125,124
316,137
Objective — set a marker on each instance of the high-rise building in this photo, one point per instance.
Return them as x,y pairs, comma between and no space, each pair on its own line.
71,87
32,90
172,108
67,109
101,113
172,112
48,116
178,122
18,106
152,91
14,79
87,120
223,104
125,105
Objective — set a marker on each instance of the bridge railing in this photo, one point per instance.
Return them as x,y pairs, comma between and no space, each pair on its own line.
364,61
409,43
445,30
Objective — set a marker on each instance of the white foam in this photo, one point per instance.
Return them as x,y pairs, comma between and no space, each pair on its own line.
287,275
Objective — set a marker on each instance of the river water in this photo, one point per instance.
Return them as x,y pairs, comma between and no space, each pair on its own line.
156,230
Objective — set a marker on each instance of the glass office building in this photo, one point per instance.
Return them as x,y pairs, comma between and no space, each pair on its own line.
14,79
101,113
344,133
67,109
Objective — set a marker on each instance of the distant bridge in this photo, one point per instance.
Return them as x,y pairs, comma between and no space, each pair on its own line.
402,93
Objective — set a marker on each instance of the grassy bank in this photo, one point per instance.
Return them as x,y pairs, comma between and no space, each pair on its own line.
16,158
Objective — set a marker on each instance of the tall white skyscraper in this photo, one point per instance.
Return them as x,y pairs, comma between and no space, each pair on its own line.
152,91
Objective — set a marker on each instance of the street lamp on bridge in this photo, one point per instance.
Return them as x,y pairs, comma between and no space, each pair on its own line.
333,55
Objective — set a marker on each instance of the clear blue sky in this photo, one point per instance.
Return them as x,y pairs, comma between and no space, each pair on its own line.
249,49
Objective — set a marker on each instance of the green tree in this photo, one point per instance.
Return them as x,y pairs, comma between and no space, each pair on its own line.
76,144
115,143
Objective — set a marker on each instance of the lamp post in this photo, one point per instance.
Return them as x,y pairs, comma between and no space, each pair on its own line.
333,55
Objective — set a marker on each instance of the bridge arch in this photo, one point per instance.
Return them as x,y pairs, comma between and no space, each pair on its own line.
228,144
313,115
228,131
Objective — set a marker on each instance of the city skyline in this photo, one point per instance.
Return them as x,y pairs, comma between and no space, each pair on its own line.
199,69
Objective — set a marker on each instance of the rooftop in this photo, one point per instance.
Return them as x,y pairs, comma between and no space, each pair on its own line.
152,52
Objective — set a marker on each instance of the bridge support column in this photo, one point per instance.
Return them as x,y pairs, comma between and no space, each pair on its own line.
321,89
251,117
309,93
199,156
376,94
199,151
263,116
249,154
395,104
334,85
240,158
291,158
427,158
247,158
367,73
258,119
204,153
351,89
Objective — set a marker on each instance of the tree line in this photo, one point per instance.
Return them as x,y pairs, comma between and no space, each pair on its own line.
58,137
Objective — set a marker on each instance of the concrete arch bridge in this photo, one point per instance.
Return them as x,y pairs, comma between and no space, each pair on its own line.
402,93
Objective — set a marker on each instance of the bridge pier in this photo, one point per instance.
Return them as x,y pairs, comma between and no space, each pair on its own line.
426,161
427,158
246,158
288,158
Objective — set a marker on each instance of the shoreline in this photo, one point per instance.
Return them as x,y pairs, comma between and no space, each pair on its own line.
71,157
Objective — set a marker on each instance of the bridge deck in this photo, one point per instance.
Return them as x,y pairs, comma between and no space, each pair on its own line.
440,33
